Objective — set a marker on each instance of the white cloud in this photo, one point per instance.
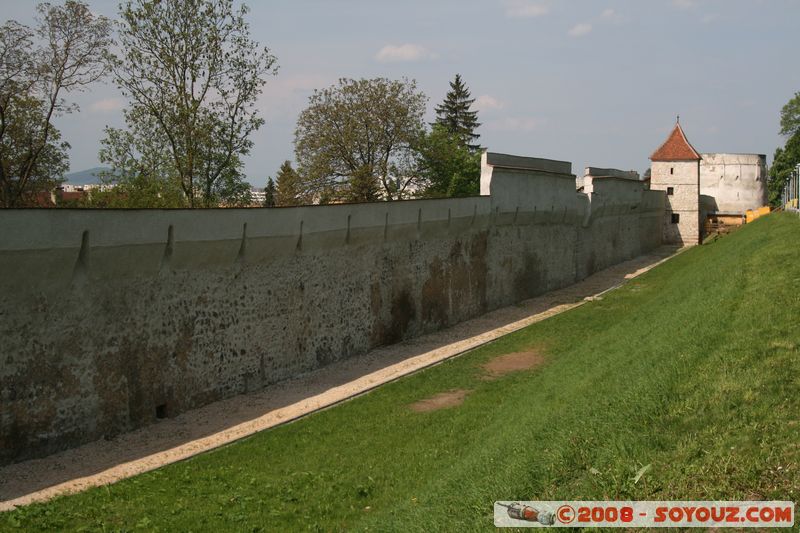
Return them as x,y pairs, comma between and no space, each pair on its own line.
107,105
579,30
684,4
404,52
609,15
486,102
285,96
515,124
287,86
525,9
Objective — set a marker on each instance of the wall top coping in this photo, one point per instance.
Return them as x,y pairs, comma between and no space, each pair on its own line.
596,172
517,162
733,155
61,228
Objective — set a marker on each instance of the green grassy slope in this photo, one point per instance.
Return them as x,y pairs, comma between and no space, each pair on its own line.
693,368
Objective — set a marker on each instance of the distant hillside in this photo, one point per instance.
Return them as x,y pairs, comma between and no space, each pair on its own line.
85,177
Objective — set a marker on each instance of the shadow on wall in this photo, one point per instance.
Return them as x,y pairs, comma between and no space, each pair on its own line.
708,205
22,479
116,318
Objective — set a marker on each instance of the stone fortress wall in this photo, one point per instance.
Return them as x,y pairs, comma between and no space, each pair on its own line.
680,182
704,190
113,318
736,182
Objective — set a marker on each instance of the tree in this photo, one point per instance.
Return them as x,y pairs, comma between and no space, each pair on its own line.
141,171
270,194
193,74
289,186
65,53
783,164
446,165
354,140
787,158
141,191
40,173
790,116
455,116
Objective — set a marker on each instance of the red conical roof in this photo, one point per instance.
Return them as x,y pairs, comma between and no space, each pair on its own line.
676,148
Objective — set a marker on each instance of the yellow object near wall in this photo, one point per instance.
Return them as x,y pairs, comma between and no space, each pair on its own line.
752,214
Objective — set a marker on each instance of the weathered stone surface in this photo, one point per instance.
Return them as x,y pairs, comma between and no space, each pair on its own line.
737,182
110,319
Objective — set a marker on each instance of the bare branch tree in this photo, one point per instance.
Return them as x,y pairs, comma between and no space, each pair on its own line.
35,74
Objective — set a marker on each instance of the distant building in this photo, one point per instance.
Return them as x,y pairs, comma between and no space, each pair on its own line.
258,196
702,188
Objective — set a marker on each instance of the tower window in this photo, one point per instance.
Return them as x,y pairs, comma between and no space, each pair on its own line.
676,217
671,170
670,191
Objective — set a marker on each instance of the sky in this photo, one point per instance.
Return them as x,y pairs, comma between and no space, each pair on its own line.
593,82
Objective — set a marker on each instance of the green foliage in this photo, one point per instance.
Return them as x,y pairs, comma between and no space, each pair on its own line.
354,140
193,76
446,165
270,193
455,115
466,183
448,160
289,187
786,159
229,189
363,187
139,191
784,163
790,117
21,129
141,172
64,53
707,399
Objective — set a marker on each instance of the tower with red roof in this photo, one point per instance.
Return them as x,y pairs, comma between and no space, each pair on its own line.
675,170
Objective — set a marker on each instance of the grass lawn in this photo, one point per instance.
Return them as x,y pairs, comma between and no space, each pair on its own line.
692,368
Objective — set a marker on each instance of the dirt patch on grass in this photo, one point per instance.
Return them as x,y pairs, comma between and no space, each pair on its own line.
512,362
175,439
443,400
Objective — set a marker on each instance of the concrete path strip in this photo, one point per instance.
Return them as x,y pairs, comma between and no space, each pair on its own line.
200,430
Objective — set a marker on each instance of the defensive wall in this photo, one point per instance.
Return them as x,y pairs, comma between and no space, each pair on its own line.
113,318
736,182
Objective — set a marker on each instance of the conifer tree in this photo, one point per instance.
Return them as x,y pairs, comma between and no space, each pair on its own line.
269,193
288,186
455,116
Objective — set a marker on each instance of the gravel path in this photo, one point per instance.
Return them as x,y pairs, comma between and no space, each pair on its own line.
170,440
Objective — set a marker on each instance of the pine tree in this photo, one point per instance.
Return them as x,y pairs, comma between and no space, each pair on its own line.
363,187
269,193
455,115
287,186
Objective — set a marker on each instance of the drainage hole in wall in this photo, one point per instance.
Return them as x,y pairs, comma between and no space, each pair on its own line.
161,411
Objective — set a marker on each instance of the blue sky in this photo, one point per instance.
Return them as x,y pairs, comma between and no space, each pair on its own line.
594,82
